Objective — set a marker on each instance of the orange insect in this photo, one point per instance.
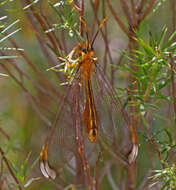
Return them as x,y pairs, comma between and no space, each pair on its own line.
87,58
86,66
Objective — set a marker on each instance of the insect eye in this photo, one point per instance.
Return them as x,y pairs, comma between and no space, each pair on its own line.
92,48
84,50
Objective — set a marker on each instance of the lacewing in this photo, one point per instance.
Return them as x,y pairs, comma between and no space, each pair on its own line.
85,62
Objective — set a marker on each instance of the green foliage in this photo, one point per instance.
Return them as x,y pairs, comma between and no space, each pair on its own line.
24,171
3,2
68,67
151,69
165,143
4,36
68,18
158,5
166,178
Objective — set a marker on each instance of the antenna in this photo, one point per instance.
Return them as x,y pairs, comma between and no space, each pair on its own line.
99,28
85,26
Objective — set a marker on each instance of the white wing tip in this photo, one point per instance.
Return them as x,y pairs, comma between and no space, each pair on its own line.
133,154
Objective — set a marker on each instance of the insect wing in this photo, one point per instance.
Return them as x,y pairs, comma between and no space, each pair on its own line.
115,106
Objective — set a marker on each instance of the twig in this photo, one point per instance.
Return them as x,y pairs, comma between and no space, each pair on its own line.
119,60
45,81
110,179
106,45
134,19
79,140
126,10
82,15
58,186
145,180
116,101
28,93
105,33
54,35
117,158
104,169
157,150
173,85
96,172
96,8
148,89
43,44
58,115
10,169
5,134
37,110
42,24
146,11
35,83
76,7
173,7
140,6
122,26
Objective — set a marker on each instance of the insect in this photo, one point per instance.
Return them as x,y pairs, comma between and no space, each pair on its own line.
82,59
86,67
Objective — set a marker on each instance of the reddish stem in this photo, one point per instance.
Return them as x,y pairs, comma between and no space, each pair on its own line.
10,169
120,23
147,10
173,85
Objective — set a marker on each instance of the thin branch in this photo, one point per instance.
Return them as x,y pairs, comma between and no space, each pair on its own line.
96,6
45,81
105,33
140,6
104,169
76,7
35,83
42,24
126,10
10,169
45,50
134,19
53,33
122,26
96,172
78,138
115,156
104,82
110,179
106,45
119,60
152,141
58,186
37,110
58,115
173,7
173,85
82,15
146,11
145,180
5,134
28,93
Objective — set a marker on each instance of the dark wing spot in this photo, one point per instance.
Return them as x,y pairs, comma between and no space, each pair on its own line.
94,132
